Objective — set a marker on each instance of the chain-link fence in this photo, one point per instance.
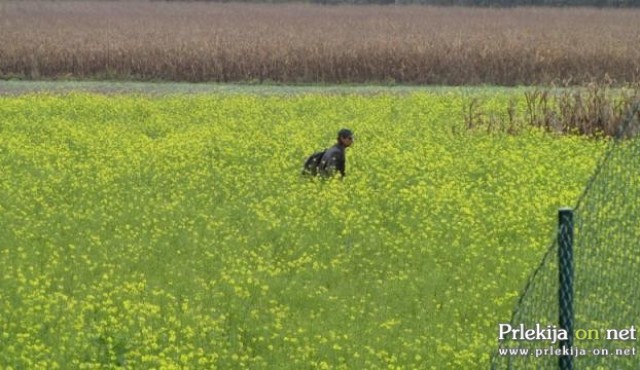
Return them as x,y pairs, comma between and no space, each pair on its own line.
582,312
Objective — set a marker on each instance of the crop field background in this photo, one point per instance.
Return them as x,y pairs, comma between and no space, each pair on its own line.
302,43
175,231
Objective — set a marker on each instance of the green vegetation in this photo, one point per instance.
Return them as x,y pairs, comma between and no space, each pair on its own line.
175,232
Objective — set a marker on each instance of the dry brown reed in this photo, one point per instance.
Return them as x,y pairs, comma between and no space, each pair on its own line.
595,110
302,43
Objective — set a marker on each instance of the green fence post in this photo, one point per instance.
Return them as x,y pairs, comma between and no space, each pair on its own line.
565,289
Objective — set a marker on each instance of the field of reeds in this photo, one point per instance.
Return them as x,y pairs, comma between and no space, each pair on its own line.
302,43
595,111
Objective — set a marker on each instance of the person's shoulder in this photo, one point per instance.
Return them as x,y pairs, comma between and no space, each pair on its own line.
331,154
338,148
333,149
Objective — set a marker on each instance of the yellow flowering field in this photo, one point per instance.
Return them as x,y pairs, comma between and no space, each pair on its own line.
162,232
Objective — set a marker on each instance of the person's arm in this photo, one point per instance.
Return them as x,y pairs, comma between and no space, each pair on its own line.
340,164
330,163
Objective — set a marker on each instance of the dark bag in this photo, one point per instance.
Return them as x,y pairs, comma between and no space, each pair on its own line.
311,164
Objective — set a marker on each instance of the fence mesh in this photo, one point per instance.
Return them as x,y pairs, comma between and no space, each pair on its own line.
606,262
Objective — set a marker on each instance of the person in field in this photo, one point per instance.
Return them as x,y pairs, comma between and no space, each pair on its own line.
331,161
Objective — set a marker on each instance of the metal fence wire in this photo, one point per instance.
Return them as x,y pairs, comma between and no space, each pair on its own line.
604,300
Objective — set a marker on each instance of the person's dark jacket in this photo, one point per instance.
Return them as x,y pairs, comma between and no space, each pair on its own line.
333,160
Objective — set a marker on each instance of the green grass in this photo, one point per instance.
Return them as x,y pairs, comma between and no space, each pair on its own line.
174,231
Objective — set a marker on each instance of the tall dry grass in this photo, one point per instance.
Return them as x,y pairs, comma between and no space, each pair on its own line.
299,43
596,110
